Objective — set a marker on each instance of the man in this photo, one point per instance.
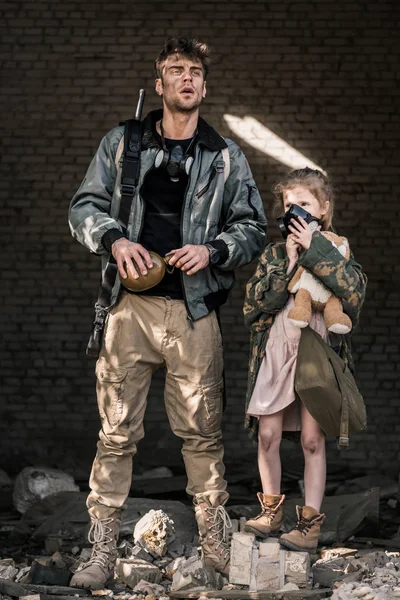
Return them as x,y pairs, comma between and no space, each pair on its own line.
208,225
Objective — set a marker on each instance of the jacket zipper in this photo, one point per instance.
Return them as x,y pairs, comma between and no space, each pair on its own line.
189,314
206,187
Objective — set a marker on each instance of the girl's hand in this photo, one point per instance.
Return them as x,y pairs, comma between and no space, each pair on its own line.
301,233
292,250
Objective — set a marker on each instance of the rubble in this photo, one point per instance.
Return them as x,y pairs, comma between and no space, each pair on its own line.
144,587
8,569
161,559
133,570
33,484
193,575
154,532
264,565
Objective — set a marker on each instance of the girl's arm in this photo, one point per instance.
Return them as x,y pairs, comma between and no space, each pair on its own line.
266,291
344,277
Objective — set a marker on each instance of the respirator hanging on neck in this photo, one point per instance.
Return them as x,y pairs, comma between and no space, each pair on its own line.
174,160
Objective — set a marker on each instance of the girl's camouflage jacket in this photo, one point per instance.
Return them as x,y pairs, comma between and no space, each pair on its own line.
267,294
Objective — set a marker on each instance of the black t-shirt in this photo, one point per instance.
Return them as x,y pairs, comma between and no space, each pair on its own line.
161,231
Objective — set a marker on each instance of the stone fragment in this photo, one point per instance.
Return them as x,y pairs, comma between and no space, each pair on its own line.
241,558
147,588
192,574
176,548
132,570
139,552
289,587
34,483
8,570
85,554
154,531
22,575
297,568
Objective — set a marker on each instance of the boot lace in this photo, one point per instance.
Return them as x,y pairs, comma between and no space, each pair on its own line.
99,536
221,524
303,525
267,511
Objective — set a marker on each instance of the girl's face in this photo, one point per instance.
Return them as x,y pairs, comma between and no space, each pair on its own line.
302,196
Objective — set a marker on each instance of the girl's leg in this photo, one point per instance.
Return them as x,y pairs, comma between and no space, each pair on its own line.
313,443
269,462
268,522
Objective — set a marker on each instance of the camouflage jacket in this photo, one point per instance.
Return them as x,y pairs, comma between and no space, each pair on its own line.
267,293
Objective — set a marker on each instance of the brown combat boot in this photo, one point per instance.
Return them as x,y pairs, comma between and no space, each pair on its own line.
269,520
103,535
304,537
214,524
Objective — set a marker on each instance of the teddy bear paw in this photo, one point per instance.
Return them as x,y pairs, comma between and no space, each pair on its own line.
339,328
297,323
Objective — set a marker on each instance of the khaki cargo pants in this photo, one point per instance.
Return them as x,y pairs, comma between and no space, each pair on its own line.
143,333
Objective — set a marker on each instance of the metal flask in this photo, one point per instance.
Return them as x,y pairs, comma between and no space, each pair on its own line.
153,277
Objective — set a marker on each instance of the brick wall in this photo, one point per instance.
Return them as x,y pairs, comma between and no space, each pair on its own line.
320,76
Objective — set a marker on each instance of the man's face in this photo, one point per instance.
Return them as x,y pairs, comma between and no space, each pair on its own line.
182,85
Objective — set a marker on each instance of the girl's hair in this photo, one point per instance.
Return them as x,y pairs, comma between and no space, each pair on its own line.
316,182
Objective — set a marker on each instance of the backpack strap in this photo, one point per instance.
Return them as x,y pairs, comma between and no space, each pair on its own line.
227,162
120,149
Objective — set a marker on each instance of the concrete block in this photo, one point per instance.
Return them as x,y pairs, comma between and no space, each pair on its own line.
192,574
132,570
241,558
298,569
270,549
269,575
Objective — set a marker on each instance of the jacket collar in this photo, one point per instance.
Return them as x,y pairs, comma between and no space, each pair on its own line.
207,136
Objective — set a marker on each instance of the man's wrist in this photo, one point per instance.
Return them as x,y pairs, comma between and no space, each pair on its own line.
111,236
219,252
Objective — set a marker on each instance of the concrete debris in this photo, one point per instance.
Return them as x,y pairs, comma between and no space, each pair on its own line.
145,587
265,565
33,484
8,569
193,575
289,587
133,570
154,532
138,552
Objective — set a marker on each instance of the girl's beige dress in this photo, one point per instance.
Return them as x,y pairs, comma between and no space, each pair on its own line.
274,388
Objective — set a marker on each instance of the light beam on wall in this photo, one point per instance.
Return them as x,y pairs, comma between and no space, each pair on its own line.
257,135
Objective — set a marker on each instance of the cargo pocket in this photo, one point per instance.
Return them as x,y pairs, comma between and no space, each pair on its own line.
110,392
212,406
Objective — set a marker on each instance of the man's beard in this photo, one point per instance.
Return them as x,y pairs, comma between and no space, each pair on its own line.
177,105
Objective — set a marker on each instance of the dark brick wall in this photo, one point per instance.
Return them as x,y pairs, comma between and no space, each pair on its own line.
321,75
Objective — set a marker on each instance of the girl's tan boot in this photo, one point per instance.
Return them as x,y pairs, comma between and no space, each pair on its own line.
269,520
304,537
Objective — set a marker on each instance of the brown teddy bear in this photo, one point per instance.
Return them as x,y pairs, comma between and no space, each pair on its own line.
311,293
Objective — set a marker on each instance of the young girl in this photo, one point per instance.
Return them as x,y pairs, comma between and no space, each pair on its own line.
272,405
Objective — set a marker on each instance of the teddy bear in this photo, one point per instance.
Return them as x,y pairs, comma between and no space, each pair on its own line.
310,293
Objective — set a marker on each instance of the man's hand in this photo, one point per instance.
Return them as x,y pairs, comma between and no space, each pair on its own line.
125,252
191,258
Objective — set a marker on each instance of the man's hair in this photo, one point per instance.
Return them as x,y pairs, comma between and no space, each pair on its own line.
188,47
316,182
